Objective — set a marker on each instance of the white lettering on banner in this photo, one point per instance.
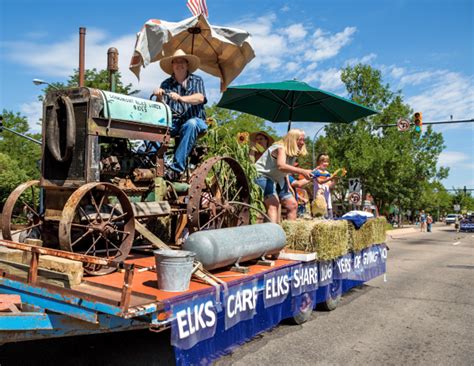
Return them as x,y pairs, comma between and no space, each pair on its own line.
344,265
370,257
326,272
383,253
242,301
357,261
277,286
305,276
199,317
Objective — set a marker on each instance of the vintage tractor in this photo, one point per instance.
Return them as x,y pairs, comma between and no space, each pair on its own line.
102,174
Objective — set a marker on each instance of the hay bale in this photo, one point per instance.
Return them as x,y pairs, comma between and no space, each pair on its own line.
298,234
372,232
330,238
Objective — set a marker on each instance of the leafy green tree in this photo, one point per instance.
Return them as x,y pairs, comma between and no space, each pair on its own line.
11,176
236,122
93,79
394,167
463,199
17,148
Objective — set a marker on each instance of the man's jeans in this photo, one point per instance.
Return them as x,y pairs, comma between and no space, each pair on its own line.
188,133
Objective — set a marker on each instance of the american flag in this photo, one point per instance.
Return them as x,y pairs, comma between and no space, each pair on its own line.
198,7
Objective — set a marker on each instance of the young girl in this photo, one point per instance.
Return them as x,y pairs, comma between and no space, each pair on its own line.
323,182
273,168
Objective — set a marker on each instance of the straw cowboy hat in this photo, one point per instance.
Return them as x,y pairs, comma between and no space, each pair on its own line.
166,63
253,137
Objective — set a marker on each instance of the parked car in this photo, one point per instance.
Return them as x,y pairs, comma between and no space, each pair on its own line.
450,219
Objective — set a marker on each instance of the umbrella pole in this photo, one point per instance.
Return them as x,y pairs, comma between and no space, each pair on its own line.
289,126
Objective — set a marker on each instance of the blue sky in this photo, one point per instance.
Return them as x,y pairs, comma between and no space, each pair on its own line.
424,48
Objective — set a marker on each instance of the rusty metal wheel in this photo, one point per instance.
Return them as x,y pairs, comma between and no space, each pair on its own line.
217,188
21,216
98,220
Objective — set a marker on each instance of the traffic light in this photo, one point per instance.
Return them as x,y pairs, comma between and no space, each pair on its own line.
418,121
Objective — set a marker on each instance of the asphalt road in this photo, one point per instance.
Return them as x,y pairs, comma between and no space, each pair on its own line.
423,314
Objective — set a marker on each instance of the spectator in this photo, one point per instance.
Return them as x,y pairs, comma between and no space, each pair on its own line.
422,221
429,222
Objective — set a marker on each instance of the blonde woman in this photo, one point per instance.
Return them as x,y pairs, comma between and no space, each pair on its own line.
273,168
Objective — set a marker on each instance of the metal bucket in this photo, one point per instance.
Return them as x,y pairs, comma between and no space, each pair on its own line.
174,269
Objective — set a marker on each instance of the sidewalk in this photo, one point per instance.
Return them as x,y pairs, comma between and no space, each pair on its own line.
414,229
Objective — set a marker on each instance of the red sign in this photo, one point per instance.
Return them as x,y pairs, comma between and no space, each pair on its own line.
355,198
403,124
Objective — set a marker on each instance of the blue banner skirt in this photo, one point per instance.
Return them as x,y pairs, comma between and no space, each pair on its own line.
205,328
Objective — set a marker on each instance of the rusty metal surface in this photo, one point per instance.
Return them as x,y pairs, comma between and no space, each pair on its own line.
212,205
82,50
100,226
61,254
127,129
112,59
8,208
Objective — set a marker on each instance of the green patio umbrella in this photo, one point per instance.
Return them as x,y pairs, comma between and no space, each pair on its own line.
292,100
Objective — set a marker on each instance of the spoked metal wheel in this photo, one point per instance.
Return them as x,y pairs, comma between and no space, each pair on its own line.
98,220
21,216
219,195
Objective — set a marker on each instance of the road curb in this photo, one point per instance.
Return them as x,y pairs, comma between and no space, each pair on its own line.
397,232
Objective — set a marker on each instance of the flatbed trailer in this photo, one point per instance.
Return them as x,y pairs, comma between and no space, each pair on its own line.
206,321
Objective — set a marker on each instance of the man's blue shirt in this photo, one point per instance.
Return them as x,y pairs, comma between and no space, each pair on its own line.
194,84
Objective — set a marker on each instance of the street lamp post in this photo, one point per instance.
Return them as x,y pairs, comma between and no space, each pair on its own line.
42,82
314,139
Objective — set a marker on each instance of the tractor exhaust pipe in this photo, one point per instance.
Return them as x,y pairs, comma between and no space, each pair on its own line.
82,50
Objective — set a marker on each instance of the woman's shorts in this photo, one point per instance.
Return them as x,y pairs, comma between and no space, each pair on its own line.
270,188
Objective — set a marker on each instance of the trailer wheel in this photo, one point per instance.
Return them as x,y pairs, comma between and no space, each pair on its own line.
305,311
98,220
334,298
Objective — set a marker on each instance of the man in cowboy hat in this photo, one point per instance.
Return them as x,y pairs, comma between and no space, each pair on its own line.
184,93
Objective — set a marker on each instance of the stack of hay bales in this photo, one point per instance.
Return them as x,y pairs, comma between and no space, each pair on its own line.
328,238
372,232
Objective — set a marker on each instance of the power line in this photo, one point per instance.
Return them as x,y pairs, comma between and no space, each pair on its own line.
432,123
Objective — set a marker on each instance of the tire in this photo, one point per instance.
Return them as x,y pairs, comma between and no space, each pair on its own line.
334,298
304,314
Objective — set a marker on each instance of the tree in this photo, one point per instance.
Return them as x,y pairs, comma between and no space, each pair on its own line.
19,157
93,79
236,122
393,166
11,176
19,149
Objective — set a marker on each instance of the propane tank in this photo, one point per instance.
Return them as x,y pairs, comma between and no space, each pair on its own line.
222,247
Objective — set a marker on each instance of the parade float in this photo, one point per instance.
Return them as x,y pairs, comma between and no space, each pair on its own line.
83,250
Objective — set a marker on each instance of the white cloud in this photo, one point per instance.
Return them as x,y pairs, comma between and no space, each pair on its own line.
296,32
329,79
416,78
397,72
33,112
367,59
292,66
452,158
326,45
444,94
